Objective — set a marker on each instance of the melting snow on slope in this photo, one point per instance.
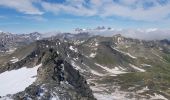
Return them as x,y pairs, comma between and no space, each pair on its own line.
116,95
115,70
96,44
15,81
131,55
110,97
75,66
96,73
11,50
14,60
137,68
146,65
93,71
124,53
73,49
92,55
143,90
157,97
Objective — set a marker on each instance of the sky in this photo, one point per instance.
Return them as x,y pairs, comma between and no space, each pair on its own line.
22,16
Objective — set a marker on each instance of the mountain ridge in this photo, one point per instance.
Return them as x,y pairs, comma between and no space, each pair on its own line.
110,66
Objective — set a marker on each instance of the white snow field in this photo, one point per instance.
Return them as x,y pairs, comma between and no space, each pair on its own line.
15,81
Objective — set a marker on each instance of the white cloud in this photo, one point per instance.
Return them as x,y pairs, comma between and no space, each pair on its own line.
24,6
148,34
34,17
152,14
143,34
151,29
70,9
132,9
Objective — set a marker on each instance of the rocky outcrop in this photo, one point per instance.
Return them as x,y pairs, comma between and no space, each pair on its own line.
56,77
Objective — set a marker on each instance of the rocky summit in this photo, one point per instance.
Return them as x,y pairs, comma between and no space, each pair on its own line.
85,67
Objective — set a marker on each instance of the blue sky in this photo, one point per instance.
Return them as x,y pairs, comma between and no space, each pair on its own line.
22,16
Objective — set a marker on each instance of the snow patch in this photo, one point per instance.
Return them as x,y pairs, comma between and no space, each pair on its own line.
128,54
137,68
96,44
117,95
115,70
6,98
158,55
131,55
14,60
15,81
75,66
157,96
96,89
96,73
11,50
127,46
122,68
68,55
146,65
58,52
76,58
93,71
104,96
143,90
92,55
73,49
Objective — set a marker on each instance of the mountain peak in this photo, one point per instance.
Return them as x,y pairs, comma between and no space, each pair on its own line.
118,38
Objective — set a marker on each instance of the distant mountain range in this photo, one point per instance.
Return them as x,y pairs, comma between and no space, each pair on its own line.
84,67
9,41
143,34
